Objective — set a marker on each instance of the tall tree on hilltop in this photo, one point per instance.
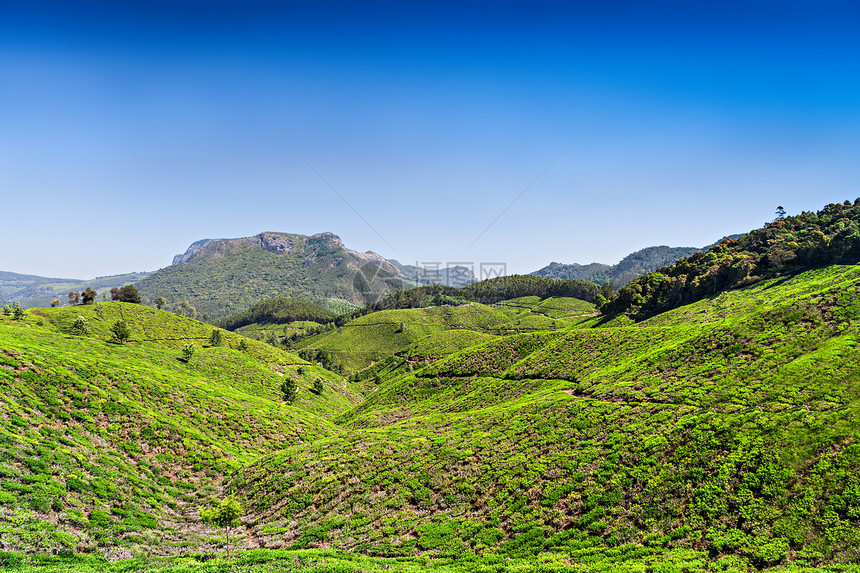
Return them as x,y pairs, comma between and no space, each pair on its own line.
88,296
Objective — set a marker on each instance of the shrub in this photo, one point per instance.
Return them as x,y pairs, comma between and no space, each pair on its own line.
120,331
290,390
81,327
217,337
128,293
188,351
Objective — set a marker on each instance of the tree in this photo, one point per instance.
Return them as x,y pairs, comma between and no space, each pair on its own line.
56,302
81,326
74,297
88,296
128,293
243,345
780,214
186,309
7,309
120,331
607,289
217,337
159,304
100,309
225,514
17,312
318,386
290,390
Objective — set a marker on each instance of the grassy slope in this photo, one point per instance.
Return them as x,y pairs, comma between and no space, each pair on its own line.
376,336
116,445
729,426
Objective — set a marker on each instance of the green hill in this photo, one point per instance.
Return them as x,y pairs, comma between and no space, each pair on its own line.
369,338
783,247
729,427
35,291
114,446
278,310
226,276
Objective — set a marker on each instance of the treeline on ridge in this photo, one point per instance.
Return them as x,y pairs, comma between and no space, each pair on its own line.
488,291
278,310
784,246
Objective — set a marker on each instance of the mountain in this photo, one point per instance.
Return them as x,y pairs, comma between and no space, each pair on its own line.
456,276
634,265
32,290
219,277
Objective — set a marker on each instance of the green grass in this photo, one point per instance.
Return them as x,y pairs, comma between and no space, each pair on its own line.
623,560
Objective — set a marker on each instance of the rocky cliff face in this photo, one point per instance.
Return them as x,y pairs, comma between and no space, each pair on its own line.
195,247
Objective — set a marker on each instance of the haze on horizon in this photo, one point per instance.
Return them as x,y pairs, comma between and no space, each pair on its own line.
131,131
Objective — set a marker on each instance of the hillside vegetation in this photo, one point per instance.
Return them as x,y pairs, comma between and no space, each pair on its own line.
785,246
279,310
729,427
369,338
113,447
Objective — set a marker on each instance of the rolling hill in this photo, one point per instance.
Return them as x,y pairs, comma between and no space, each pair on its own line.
782,247
728,427
370,338
109,446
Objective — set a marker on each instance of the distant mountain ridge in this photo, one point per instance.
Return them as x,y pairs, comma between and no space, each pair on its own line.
634,265
219,277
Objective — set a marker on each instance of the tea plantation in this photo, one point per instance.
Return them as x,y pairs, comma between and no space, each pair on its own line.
527,435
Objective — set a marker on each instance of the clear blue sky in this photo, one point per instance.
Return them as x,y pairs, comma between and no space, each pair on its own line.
126,133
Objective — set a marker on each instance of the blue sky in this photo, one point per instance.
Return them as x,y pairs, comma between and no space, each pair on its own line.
129,132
